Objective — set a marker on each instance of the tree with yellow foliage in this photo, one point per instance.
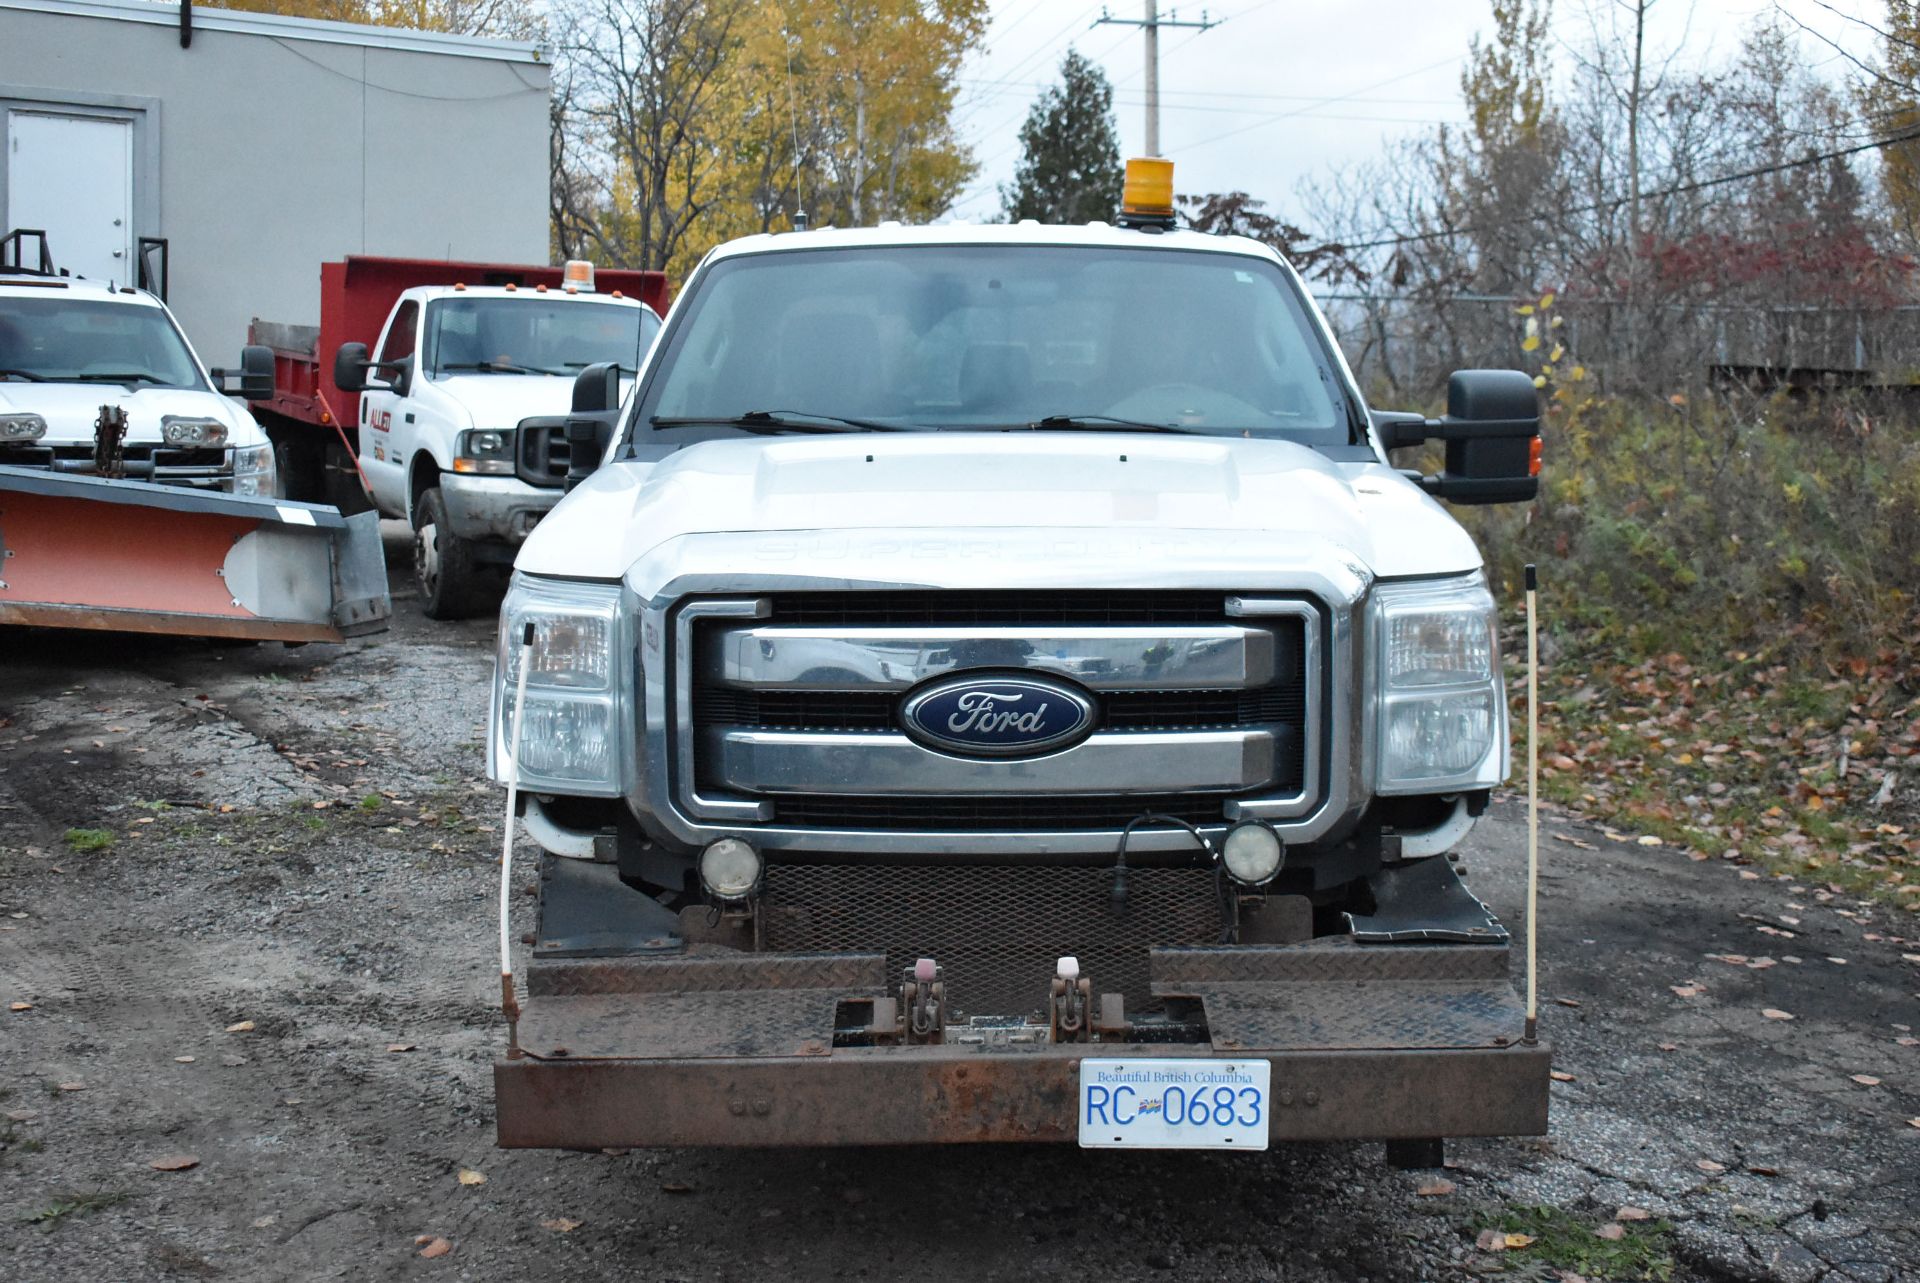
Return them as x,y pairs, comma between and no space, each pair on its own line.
513,19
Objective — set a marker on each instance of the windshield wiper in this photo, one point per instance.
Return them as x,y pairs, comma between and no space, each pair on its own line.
136,376
496,367
779,421
28,375
1053,421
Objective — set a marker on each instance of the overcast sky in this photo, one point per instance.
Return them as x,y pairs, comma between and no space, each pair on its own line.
1285,89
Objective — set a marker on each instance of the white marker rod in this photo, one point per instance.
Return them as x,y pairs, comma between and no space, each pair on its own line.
507,1002
1533,807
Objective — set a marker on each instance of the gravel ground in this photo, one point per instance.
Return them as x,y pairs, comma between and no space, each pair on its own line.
299,885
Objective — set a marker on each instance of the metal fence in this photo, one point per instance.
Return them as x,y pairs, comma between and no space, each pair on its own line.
1411,344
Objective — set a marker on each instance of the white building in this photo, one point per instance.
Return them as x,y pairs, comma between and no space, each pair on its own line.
258,146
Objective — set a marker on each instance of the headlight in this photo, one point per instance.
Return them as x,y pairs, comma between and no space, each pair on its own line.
178,430
22,427
253,470
1442,703
485,453
576,689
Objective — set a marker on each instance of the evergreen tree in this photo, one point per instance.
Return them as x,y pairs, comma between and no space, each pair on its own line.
1070,169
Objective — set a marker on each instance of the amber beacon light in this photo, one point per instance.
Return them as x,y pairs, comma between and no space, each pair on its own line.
1146,200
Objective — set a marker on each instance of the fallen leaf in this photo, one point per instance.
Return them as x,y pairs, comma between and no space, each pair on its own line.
1908,1041
73,1086
261,1222
1436,1187
1519,1240
1687,991
1774,1013
240,1027
174,1163
470,1177
1648,839
675,1187
1669,1046
1913,1122
1866,1080
1764,1171
1561,1077
22,1115
1633,1214
1710,1167
436,1247
183,1060
1612,1231
561,1225
19,1006
1568,1002
399,1046
1495,1241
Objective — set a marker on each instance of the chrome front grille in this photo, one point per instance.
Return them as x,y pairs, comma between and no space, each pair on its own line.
790,710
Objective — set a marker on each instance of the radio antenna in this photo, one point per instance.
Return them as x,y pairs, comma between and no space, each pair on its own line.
1533,808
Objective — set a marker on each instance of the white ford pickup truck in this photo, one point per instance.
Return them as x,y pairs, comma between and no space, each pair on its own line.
990,683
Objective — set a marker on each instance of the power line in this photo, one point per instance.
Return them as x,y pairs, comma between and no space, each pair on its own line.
1678,189
1324,102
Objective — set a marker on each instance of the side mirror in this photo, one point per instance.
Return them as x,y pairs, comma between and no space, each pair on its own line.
350,367
256,372
597,389
587,441
1492,436
399,375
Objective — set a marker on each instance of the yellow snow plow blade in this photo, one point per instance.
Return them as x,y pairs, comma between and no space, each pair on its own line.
131,556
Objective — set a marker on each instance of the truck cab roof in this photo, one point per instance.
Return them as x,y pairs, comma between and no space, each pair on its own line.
1095,235
427,293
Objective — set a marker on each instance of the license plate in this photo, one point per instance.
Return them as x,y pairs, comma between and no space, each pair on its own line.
1174,1104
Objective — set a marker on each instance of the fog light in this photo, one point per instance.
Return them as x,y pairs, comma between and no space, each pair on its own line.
730,869
1252,853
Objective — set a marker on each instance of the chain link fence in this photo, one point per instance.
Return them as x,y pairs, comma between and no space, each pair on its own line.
1410,344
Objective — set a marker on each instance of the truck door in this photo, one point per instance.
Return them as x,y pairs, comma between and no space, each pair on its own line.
383,413
72,176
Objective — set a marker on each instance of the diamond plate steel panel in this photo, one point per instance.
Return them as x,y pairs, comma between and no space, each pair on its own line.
697,973
1362,1015
680,1026
1330,959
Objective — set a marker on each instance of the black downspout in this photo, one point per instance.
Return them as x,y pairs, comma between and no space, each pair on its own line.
186,24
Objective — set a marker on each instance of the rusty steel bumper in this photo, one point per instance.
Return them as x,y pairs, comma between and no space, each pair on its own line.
948,1094
1388,1042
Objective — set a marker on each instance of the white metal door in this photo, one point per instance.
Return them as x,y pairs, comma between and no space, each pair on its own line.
73,177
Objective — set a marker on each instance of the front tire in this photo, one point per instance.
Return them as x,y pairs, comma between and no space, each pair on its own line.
452,582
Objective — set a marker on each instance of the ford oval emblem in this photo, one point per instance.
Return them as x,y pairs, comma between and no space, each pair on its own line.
983,715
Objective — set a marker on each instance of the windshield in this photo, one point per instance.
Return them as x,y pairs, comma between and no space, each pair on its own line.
534,335
1001,336
62,339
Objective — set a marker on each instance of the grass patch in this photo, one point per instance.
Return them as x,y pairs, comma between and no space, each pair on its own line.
74,1203
372,802
1564,1241
87,840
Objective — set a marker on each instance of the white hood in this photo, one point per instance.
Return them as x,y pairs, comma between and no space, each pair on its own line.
1227,492
500,401
72,409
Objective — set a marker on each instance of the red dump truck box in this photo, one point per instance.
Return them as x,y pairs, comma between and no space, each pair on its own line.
356,295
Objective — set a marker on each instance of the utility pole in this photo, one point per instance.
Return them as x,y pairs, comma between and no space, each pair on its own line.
1151,25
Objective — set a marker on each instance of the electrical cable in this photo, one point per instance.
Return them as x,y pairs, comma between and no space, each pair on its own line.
1614,202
